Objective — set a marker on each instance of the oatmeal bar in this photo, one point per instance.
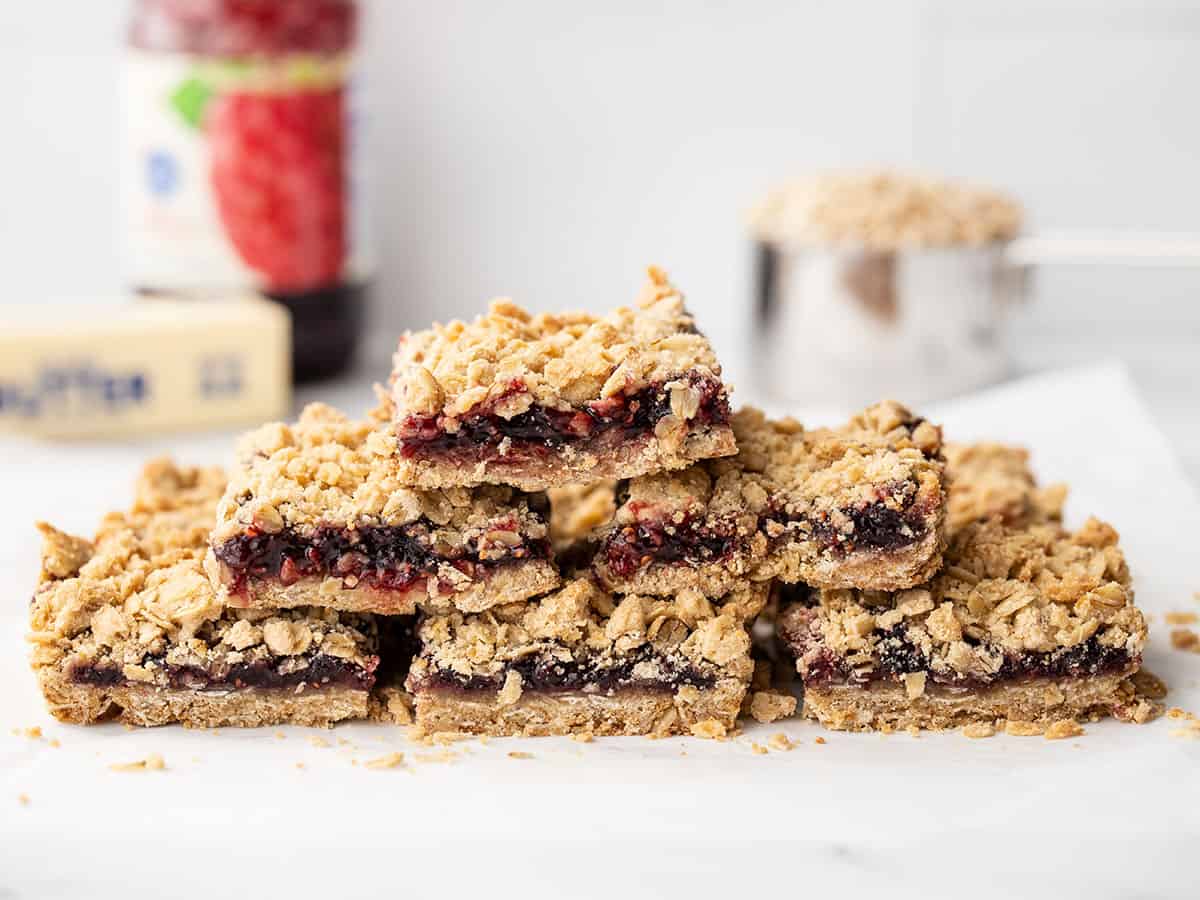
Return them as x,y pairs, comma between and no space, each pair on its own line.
547,400
583,660
314,515
859,506
1030,624
989,479
127,626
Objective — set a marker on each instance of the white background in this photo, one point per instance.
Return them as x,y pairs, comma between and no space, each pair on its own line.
549,150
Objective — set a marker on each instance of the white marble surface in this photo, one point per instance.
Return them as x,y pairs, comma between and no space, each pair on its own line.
1110,814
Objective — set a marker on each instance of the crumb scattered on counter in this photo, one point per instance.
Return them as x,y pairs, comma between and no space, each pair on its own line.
318,741
519,754
54,742
583,737
819,740
1182,618
387,761
780,741
1064,728
300,765
34,733
758,748
979,730
280,735
1185,639
23,799
153,762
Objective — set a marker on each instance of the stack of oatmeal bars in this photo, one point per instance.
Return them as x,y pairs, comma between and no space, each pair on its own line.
555,524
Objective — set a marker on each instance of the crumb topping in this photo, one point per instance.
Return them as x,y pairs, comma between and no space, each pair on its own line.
582,623
989,479
1004,591
509,359
136,599
578,509
328,470
884,210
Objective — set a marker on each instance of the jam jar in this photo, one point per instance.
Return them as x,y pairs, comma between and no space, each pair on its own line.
242,162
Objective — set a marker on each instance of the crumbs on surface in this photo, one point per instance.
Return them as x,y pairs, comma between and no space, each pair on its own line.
758,748
1063,728
519,754
1185,639
387,761
23,799
1181,618
820,740
153,762
318,741
780,741
583,737
34,733
979,730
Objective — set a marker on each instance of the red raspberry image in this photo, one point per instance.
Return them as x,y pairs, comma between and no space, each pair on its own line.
278,174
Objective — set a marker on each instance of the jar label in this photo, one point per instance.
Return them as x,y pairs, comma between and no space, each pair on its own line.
243,174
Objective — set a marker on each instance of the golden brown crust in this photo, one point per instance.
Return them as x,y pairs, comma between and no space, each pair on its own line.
148,706
989,479
1039,702
560,361
884,210
489,587
784,506
625,712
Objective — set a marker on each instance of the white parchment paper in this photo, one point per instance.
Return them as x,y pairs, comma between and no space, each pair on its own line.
1113,813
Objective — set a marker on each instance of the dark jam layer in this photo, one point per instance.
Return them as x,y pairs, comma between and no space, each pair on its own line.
389,558
877,526
550,675
899,656
691,542
321,671
539,428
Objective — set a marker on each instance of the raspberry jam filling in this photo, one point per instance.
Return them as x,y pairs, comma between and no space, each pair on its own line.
877,525
317,671
388,558
899,656
694,541
540,428
549,674
690,542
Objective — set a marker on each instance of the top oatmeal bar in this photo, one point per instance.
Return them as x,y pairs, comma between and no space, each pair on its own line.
315,515
127,625
538,401
858,506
